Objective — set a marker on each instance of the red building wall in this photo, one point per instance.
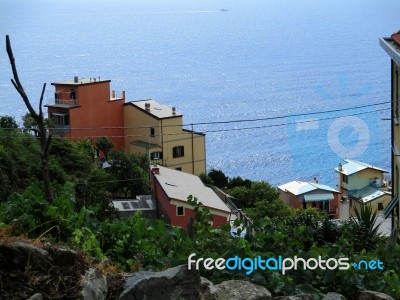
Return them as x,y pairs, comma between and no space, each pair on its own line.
165,207
293,201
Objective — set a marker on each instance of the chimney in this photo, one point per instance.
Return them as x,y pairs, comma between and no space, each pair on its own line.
156,170
147,106
174,110
123,94
315,180
113,94
340,167
76,79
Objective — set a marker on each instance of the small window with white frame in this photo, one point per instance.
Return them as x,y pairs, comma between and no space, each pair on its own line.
156,155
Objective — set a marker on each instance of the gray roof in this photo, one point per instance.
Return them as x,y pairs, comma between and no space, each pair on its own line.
300,187
157,110
179,185
353,166
391,48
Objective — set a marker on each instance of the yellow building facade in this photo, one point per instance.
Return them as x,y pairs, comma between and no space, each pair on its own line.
392,47
157,130
361,184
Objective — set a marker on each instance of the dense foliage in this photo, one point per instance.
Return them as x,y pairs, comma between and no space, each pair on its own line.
81,216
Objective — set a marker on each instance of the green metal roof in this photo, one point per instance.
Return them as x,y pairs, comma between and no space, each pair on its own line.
144,144
318,197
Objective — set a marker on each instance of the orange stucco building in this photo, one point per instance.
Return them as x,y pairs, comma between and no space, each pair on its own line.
85,109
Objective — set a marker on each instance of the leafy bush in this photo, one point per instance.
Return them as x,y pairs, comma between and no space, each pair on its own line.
218,178
138,243
30,214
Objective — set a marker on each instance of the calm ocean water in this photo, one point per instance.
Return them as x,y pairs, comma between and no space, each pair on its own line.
257,60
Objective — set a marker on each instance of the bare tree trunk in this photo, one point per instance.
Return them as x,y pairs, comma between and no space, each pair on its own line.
38,117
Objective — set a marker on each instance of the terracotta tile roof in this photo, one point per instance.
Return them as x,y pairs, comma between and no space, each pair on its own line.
396,37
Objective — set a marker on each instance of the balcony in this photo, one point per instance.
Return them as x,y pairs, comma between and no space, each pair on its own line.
60,129
63,102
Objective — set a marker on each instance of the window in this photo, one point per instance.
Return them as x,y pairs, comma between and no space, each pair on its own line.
152,131
60,119
180,211
345,178
72,94
178,168
380,206
156,155
178,151
57,95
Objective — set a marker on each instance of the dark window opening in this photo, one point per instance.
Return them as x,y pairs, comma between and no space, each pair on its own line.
178,151
152,131
380,206
180,211
72,94
345,178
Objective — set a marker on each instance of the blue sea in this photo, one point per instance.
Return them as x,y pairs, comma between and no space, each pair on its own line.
288,72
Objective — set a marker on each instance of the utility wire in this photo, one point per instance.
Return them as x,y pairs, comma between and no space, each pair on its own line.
231,121
218,130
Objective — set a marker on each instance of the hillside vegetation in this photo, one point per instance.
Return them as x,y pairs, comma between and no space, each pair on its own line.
81,216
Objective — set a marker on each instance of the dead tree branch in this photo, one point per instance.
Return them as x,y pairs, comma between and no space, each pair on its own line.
38,117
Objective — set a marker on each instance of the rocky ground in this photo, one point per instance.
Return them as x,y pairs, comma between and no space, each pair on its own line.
28,267
35,271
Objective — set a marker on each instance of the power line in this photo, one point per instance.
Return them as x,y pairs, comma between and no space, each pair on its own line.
228,121
219,130
290,116
293,123
108,181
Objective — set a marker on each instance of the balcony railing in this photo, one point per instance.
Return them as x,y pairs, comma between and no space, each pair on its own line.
63,102
60,129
